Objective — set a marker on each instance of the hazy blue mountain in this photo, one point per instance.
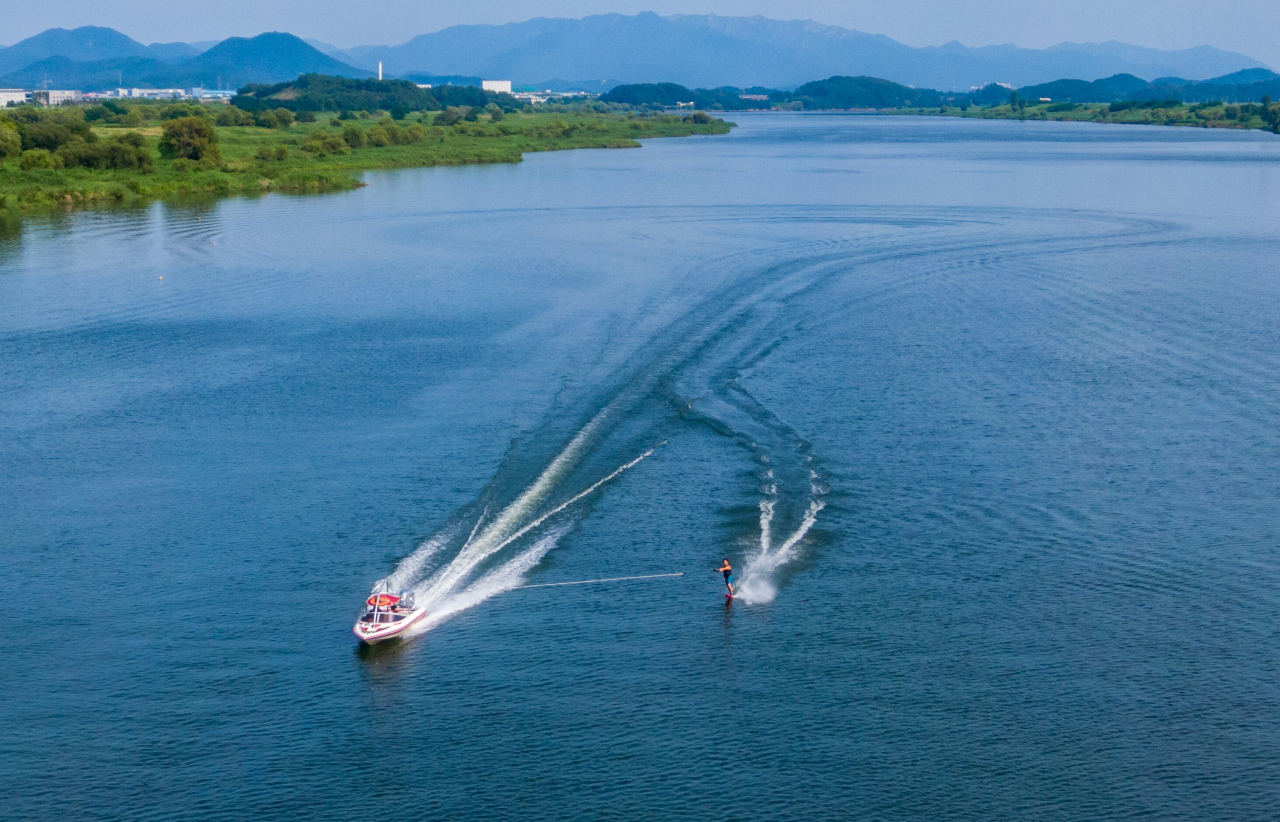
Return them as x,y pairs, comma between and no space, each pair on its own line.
175,52
95,75
707,50
90,44
1197,63
268,58
1246,77
328,48
603,51
1106,90
84,43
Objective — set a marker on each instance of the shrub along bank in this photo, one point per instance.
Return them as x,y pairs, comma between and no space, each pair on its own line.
127,152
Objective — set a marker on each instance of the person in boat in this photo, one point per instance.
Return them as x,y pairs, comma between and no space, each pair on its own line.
727,570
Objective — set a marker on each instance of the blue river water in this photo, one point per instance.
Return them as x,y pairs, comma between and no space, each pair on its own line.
986,415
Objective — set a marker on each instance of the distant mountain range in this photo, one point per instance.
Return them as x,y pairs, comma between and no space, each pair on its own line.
92,58
706,50
595,53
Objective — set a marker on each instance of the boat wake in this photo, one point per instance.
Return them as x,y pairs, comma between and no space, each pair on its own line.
792,490
494,558
687,373
757,583
693,369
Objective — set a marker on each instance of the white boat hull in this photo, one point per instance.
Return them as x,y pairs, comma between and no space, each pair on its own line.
371,633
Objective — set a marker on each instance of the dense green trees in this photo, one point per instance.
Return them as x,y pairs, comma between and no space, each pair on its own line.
322,143
126,151
38,158
67,141
832,93
649,94
191,138
318,92
50,135
175,110
862,92
273,118
114,112
10,139
871,92
387,133
315,92
353,136
232,116
114,164
449,116
473,97
1126,105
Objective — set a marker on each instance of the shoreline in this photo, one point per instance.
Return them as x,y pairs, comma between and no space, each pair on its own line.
1233,117
305,158
998,115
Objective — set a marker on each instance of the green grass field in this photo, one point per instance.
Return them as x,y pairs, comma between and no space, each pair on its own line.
256,160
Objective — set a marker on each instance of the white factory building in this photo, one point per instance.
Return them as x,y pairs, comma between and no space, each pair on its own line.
496,85
54,97
12,97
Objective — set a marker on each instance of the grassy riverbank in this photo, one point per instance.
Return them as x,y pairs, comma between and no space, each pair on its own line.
324,155
1200,115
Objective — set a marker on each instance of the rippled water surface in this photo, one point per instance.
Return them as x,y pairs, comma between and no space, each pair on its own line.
986,415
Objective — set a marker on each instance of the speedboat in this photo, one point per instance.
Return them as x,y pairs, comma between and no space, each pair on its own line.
386,615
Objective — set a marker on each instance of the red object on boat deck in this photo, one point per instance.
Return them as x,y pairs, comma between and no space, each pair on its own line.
382,600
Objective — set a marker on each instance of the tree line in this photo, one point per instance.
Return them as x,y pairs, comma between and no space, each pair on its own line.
871,92
320,92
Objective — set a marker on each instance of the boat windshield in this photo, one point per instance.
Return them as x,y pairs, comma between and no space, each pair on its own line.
377,616
384,607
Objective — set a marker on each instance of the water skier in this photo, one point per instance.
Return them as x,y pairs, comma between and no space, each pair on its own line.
727,570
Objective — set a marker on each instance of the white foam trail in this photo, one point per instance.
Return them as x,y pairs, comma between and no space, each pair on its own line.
467,560
766,524
441,593
503,578
757,583
476,527
413,564
497,534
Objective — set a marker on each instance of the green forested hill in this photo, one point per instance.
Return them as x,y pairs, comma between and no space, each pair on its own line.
316,92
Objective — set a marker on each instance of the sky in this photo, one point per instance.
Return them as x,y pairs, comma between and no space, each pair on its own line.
1251,27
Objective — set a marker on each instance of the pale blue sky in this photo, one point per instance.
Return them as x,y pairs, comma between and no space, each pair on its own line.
1248,26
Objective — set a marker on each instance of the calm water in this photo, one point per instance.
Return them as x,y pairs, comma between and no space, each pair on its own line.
986,415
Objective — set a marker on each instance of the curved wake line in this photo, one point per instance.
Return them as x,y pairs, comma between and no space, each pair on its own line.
757,583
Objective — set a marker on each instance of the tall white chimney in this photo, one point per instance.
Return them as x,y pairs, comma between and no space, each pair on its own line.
379,69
